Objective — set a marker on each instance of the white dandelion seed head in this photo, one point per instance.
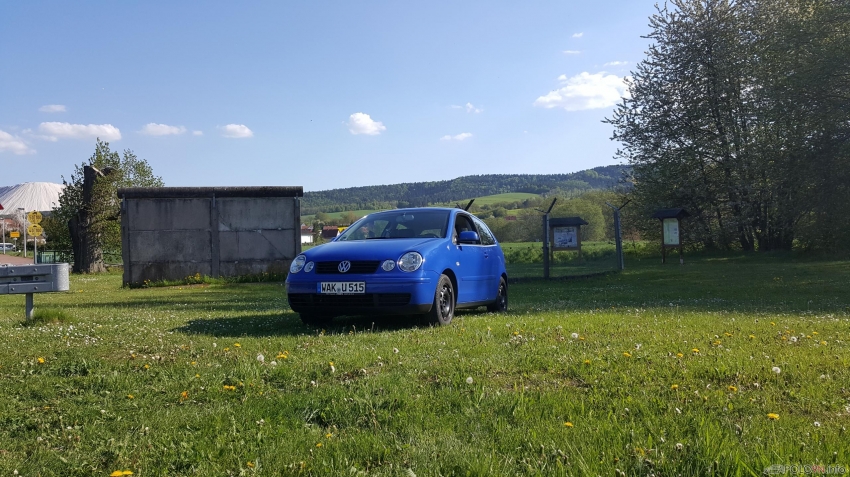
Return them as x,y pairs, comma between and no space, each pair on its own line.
817,424
574,336
679,446
776,369
469,380
395,350
273,363
793,339
214,345
261,358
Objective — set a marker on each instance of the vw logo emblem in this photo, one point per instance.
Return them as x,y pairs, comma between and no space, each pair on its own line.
344,266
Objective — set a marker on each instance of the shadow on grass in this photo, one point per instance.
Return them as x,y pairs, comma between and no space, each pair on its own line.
289,324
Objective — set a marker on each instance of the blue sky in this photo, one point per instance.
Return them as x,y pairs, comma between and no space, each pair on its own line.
319,94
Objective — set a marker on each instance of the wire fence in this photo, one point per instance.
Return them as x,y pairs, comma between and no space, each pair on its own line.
525,260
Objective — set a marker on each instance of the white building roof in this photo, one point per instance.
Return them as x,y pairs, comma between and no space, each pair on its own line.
40,196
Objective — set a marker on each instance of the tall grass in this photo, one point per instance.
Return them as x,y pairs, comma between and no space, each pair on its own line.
665,370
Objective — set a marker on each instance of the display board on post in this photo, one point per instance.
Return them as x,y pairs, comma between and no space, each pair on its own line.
671,231
565,234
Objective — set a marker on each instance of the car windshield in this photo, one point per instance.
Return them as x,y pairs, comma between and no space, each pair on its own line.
399,224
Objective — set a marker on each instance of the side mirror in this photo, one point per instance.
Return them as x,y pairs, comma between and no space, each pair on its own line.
468,237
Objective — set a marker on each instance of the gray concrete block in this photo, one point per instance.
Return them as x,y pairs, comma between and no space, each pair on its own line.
170,245
254,267
237,214
257,245
168,214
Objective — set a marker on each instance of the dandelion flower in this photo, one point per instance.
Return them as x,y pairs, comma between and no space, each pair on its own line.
130,396
695,350
679,355
237,345
581,338
117,473
727,334
40,360
127,472
776,369
823,343
229,388
627,354
772,323
469,380
587,361
679,446
574,336
732,389
568,424
184,395
250,465
674,387
773,416
793,339
752,337
319,444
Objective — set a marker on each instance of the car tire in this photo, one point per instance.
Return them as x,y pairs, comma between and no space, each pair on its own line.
501,303
443,309
315,320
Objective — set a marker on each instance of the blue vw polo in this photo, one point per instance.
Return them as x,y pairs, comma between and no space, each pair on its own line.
426,261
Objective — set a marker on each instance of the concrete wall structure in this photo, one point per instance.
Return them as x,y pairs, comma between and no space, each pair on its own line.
169,233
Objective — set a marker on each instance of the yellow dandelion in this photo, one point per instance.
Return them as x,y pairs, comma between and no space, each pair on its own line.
568,424
328,435
130,396
147,366
126,472
227,349
716,343
674,387
772,323
727,334
814,332
331,363
228,387
752,337
117,473
732,389
823,343
587,361
193,363
695,350
237,345
679,355
773,416
197,375
40,360
319,444
627,354
282,355
581,338
184,395
250,464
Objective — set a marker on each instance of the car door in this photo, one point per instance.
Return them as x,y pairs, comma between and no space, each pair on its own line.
491,258
470,264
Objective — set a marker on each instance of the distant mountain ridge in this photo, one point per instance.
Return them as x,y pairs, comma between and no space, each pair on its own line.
417,194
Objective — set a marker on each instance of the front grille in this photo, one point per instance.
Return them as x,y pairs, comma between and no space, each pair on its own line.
357,266
367,300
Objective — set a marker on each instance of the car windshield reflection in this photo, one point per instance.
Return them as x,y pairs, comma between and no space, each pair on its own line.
396,224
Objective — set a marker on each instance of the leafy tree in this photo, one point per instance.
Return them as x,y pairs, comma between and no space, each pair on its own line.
89,206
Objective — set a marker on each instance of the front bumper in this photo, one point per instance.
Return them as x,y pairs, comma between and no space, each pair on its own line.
399,294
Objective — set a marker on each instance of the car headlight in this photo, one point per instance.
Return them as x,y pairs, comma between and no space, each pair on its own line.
297,264
410,262
309,267
388,265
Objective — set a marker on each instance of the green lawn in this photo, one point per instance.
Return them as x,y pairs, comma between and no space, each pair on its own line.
723,366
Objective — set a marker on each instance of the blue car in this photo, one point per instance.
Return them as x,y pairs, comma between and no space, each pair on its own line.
427,261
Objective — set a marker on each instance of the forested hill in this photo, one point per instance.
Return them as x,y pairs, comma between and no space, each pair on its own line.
417,194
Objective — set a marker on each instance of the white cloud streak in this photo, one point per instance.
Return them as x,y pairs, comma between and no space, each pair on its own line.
362,123
572,52
469,107
14,144
52,108
57,130
616,63
456,137
154,129
585,91
197,133
578,35
236,131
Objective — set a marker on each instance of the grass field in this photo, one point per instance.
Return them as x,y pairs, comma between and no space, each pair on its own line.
724,366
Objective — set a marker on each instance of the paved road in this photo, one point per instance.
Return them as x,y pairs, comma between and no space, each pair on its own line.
13,260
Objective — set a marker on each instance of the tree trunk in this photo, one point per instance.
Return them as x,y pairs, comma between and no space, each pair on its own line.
88,255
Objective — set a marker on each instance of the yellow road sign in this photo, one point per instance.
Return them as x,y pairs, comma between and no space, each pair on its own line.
34,217
14,234
35,230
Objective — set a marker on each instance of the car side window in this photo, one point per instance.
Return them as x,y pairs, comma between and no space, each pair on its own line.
462,224
487,237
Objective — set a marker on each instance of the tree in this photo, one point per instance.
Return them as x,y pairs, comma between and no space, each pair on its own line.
739,115
89,205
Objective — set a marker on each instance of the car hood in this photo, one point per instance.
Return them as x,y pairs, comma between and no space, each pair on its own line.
375,249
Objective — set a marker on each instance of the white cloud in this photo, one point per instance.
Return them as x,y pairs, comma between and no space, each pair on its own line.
578,35
154,129
14,144
56,130
585,91
616,63
236,131
456,137
469,107
572,52
197,133
52,108
362,123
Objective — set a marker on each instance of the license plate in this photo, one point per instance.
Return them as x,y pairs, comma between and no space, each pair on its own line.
342,288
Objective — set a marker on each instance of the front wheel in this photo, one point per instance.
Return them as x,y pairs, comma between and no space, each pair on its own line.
501,303
443,309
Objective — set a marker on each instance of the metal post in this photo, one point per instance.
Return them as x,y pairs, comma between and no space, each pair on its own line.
29,306
618,236
3,223
546,245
